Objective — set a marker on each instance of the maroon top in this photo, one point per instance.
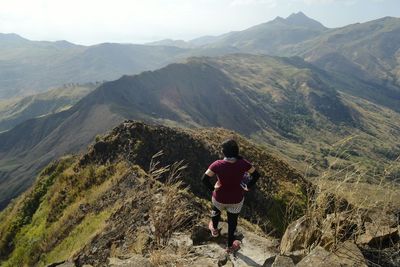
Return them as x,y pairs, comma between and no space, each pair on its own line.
229,177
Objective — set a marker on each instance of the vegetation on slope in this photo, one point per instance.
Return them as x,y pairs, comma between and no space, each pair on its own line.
81,203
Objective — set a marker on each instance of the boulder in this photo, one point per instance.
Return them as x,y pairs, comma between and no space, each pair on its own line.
299,235
317,257
297,255
379,236
200,235
282,261
338,227
268,262
347,254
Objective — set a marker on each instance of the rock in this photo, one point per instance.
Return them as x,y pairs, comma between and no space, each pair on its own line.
350,255
299,235
282,261
135,261
317,257
200,235
297,255
347,254
268,262
378,236
337,227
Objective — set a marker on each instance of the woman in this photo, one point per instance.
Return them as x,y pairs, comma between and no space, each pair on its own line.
228,193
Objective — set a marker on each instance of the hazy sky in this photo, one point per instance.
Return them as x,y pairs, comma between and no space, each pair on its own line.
134,21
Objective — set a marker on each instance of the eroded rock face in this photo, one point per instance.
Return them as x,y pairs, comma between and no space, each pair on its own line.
298,235
282,261
347,254
379,236
317,257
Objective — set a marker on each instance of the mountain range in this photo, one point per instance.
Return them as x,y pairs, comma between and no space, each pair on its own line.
286,103
336,83
33,66
368,50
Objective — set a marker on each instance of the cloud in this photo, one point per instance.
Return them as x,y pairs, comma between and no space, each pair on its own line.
313,2
269,3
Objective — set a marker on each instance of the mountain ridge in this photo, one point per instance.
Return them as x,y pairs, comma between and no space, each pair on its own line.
281,96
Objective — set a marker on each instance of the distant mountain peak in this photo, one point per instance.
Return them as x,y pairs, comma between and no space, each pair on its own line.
11,37
301,19
297,15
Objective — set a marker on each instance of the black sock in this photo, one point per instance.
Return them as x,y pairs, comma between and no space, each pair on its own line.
215,217
232,223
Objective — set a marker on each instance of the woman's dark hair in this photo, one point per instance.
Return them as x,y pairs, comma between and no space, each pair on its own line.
230,148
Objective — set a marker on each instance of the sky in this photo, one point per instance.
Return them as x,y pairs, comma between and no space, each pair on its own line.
133,21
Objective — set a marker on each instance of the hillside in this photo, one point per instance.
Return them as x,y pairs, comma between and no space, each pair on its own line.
297,110
108,202
16,110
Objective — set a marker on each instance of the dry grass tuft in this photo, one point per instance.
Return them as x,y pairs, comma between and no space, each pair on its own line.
171,209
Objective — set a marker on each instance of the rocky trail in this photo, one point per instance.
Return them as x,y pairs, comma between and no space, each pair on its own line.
203,250
255,249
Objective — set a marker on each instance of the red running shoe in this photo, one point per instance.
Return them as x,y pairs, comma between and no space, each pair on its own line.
234,248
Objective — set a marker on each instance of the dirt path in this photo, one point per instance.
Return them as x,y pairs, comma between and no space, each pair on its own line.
254,251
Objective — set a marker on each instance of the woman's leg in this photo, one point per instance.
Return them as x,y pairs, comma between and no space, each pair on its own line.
215,217
232,223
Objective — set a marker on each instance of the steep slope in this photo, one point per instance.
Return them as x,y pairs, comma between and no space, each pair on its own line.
16,110
288,104
103,203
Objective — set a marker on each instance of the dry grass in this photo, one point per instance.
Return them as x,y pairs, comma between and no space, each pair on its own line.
171,209
341,204
174,257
